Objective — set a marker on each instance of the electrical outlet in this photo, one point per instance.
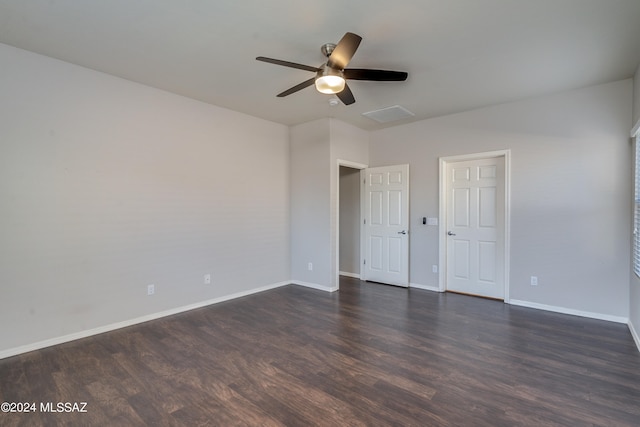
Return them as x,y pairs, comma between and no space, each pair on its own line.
310,266
534,280
151,289
434,268
207,279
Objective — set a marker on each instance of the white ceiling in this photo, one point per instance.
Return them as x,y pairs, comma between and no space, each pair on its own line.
460,54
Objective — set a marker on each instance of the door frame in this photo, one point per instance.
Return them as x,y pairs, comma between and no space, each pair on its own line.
336,215
363,226
442,241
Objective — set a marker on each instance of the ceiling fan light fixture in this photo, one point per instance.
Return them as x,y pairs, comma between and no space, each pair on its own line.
330,84
330,81
331,77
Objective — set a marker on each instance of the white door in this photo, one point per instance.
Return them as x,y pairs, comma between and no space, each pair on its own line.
475,227
386,225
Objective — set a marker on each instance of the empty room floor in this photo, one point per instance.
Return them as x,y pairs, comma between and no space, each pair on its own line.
370,355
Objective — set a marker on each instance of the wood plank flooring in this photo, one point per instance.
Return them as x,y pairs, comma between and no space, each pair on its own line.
368,355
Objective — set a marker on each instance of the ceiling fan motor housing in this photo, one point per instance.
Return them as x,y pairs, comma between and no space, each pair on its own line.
327,49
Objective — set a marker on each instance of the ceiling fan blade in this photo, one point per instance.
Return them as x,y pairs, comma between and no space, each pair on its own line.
346,96
288,64
375,75
297,87
344,51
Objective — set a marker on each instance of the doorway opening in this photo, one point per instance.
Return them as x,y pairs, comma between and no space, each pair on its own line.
349,222
382,233
349,233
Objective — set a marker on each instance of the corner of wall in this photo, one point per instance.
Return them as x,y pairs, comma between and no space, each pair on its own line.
636,95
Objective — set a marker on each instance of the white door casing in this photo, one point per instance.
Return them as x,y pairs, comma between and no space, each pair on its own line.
475,218
386,225
336,241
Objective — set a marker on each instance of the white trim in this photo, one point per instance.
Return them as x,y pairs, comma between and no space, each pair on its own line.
634,334
563,310
354,275
636,130
353,165
425,287
315,286
118,325
363,240
442,244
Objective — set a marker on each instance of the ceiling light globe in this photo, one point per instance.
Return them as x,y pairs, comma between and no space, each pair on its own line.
330,84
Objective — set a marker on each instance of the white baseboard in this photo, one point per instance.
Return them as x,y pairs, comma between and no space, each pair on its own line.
314,286
111,327
634,334
425,287
563,310
106,328
354,275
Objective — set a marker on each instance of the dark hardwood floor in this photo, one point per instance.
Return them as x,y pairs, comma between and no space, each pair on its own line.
369,355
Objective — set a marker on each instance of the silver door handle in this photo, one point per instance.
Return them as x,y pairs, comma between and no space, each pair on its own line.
402,232
450,233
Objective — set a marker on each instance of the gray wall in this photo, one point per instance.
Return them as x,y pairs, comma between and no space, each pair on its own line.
316,149
636,96
634,291
107,186
310,194
570,205
351,145
349,221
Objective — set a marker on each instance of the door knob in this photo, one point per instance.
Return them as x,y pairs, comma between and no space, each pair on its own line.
402,232
450,233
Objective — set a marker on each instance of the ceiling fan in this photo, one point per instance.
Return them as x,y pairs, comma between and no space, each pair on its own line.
330,77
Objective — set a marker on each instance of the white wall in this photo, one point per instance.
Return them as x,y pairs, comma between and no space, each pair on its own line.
107,186
570,205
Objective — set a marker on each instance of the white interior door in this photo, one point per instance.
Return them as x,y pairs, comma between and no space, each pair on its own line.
386,225
475,227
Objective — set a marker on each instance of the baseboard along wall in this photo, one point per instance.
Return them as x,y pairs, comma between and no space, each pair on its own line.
118,325
634,334
111,327
563,310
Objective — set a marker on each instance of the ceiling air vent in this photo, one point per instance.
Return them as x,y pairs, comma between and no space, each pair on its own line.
389,114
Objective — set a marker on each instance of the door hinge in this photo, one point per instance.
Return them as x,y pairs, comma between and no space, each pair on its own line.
365,262
365,221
